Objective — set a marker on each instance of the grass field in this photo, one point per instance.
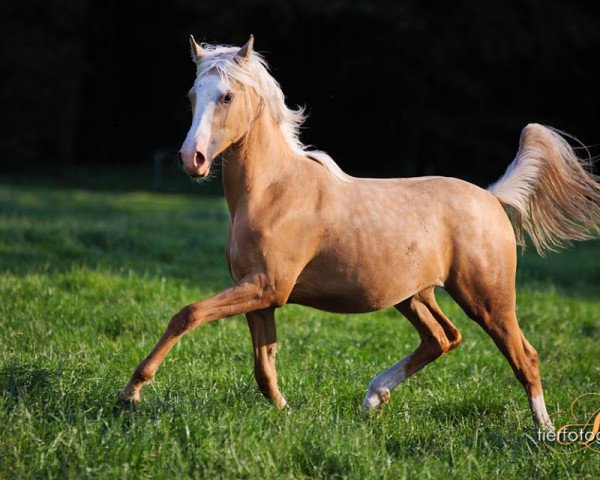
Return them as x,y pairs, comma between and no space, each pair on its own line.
90,279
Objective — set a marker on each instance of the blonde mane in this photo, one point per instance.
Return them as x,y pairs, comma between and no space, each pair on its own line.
254,72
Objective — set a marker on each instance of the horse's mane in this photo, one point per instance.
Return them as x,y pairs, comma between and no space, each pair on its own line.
254,72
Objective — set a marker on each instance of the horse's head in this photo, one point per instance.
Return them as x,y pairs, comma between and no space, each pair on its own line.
221,106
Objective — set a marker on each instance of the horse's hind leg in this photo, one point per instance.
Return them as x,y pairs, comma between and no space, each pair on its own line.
494,309
438,336
523,358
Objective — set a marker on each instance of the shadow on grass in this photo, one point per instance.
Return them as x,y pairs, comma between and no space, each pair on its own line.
19,382
423,446
38,389
470,416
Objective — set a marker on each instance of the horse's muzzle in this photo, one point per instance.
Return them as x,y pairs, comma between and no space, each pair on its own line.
194,163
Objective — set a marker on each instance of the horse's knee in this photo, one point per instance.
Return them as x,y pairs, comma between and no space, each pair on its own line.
183,321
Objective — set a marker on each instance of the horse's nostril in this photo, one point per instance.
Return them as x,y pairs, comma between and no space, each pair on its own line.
180,158
199,158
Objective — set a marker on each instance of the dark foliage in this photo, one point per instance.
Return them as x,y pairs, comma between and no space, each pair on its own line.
393,87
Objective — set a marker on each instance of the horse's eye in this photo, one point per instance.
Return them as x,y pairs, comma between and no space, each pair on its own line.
227,98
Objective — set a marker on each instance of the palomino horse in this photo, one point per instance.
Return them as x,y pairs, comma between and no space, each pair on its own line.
302,231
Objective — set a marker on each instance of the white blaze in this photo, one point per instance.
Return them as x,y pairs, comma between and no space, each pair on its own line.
208,89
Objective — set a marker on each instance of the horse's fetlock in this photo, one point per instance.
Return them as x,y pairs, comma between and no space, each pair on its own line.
381,391
143,374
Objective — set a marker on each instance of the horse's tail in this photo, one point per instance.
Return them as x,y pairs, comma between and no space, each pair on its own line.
549,192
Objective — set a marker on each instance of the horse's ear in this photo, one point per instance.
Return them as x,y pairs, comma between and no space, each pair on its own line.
246,50
196,50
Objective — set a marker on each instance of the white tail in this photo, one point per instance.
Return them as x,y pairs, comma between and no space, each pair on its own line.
549,192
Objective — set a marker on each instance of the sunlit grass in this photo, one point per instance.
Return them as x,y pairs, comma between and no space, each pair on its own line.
89,280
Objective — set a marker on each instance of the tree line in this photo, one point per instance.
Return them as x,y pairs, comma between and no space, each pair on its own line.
393,88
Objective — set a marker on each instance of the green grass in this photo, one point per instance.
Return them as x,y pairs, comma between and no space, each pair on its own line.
90,279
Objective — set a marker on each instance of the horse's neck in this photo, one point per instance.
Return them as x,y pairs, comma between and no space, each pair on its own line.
253,164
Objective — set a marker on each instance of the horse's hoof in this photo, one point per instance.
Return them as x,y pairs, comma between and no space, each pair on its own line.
375,398
129,396
280,403
547,426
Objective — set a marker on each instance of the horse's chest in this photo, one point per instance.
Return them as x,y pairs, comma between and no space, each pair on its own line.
243,253
238,266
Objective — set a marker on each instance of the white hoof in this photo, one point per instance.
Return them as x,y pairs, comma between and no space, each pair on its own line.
546,425
375,398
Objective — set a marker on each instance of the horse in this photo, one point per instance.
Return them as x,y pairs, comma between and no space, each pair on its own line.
302,231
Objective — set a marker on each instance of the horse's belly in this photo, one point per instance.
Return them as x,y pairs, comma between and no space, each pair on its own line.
352,300
337,288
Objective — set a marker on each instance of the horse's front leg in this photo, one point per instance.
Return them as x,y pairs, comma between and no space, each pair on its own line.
264,341
253,292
